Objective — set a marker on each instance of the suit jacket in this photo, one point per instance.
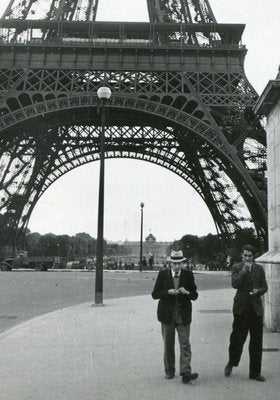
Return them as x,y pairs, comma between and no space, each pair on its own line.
167,302
245,282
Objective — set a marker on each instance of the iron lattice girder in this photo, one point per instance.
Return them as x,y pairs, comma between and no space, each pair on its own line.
62,10
21,88
136,82
170,113
138,36
174,156
159,10
180,11
196,121
52,166
214,89
172,77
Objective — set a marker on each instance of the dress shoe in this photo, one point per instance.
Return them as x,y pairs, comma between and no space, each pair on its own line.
258,378
189,377
228,369
167,376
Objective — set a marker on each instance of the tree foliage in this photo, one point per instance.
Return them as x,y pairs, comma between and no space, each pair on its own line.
81,245
211,247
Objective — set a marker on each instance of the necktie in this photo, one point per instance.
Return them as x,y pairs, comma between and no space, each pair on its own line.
177,274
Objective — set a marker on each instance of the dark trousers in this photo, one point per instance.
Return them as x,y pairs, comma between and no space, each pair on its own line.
248,321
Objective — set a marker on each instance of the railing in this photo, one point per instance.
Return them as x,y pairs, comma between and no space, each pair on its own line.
121,34
118,43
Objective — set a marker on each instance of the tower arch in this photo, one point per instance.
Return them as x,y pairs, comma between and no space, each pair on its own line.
180,98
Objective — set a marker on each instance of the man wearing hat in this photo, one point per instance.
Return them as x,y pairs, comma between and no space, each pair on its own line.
175,288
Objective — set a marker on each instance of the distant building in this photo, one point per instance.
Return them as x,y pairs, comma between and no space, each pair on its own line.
151,248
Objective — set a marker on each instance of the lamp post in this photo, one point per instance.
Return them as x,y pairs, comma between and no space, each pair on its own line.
104,94
141,238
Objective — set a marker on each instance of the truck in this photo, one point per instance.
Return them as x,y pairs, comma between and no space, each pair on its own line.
10,261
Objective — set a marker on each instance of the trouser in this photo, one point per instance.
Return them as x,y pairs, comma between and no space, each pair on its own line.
248,321
168,334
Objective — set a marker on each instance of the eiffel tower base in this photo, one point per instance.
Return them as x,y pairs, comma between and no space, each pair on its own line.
180,99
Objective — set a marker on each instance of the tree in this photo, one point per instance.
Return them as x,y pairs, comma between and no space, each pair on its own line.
83,245
210,246
63,246
205,248
32,241
48,245
190,245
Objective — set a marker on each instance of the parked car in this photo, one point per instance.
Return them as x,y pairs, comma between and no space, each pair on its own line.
5,266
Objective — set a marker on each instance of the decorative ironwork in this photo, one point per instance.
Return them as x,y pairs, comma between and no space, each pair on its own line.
62,10
181,78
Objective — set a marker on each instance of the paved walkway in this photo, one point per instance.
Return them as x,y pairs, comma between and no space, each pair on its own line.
115,352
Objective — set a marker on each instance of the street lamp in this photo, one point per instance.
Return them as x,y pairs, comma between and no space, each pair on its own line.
104,94
141,238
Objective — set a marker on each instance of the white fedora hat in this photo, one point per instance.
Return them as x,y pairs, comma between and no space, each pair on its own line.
176,256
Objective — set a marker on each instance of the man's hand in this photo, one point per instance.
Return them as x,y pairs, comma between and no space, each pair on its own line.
246,267
182,290
254,292
173,292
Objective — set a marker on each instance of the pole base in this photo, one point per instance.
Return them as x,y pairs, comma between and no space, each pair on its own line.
98,305
98,299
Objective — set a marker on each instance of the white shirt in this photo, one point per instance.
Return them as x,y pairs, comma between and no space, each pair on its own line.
173,273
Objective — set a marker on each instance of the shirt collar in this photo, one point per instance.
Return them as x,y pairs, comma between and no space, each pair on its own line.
173,273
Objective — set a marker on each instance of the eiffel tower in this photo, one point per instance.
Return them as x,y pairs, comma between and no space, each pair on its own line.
180,99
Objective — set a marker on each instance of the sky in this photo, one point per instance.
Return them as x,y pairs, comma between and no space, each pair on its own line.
172,208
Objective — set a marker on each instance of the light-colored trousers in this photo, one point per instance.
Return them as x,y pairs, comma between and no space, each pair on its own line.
168,334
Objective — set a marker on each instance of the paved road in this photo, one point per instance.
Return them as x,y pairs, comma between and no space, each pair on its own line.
99,353
27,294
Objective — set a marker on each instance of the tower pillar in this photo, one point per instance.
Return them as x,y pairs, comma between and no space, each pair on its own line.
268,105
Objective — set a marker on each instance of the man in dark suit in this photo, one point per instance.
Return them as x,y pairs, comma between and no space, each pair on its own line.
175,288
249,280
